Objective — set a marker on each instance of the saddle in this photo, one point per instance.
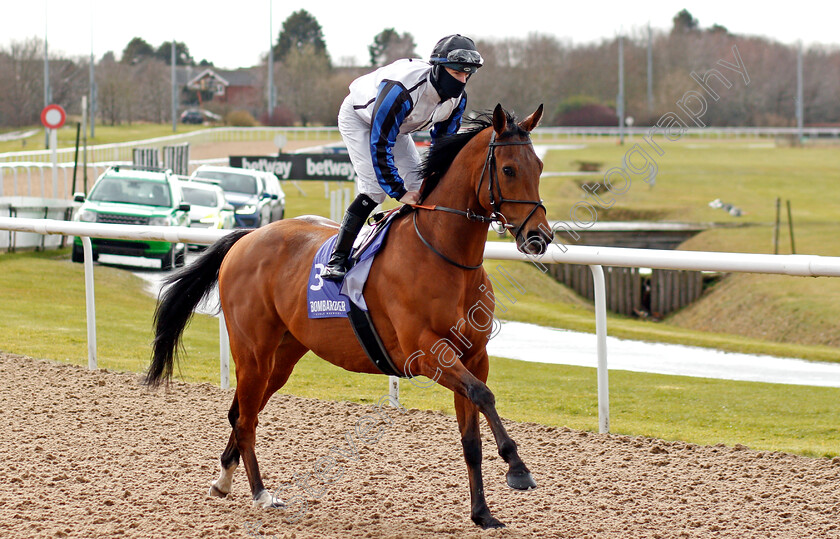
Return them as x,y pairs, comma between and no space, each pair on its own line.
376,225
327,299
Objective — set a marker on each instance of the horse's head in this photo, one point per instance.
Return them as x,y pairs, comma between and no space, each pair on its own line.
511,175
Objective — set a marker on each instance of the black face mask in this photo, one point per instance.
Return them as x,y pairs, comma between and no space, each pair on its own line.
445,84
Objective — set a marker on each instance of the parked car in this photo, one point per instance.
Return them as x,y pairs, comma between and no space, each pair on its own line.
192,117
199,116
134,195
273,188
256,196
208,207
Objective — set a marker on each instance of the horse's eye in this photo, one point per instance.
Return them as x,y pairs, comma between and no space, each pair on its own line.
508,171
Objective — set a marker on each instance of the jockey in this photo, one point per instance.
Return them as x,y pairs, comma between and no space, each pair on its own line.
376,120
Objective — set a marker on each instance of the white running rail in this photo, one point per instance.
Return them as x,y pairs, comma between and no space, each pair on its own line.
594,257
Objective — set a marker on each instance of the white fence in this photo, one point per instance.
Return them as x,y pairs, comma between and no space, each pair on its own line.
121,152
23,176
594,257
16,165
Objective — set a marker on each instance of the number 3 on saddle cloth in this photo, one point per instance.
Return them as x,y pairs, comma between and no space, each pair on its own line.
328,299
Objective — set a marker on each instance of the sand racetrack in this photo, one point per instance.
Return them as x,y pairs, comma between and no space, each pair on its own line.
95,454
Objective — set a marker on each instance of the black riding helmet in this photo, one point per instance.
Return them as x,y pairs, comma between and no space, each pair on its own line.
458,53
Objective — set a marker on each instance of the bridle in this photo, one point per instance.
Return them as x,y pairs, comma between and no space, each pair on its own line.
496,216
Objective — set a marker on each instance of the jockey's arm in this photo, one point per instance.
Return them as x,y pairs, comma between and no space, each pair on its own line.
389,111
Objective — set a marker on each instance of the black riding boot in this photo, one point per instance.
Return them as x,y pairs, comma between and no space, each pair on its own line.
352,223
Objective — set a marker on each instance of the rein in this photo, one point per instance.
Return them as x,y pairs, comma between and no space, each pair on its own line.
443,256
496,216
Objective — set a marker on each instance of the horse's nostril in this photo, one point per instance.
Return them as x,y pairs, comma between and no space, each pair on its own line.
537,242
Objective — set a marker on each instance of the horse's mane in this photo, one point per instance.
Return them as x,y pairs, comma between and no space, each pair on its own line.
443,151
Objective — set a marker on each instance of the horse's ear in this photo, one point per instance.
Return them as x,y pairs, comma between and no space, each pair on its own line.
532,121
499,119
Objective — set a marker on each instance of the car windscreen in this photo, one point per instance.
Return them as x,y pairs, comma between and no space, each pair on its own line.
229,181
130,191
200,197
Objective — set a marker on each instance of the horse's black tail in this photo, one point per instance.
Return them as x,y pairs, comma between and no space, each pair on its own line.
181,293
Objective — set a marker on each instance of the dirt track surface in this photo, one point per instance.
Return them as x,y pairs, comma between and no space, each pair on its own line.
94,453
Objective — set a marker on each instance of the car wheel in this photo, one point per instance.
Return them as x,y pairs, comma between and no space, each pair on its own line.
78,254
169,259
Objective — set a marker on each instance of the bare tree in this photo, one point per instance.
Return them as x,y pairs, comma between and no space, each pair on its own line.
151,90
22,82
113,81
302,86
520,73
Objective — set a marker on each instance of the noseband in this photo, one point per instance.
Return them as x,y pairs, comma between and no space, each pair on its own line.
496,216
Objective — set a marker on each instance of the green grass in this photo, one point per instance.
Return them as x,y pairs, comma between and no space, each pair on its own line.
763,416
750,174
35,324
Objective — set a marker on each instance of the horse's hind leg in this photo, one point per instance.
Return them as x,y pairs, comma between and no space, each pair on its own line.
285,359
230,457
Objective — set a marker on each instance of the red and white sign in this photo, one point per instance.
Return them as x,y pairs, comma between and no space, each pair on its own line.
53,116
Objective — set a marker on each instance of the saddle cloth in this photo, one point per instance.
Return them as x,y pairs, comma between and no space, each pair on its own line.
328,299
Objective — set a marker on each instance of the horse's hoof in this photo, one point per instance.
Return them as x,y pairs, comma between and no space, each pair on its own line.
215,492
487,522
521,481
266,501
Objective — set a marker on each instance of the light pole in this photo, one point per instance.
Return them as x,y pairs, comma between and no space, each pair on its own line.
174,89
270,93
92,84
620,104
46,75
800,110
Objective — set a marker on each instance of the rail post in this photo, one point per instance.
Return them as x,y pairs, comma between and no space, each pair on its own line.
601,338
90,306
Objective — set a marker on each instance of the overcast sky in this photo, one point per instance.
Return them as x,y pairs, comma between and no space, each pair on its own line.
235,33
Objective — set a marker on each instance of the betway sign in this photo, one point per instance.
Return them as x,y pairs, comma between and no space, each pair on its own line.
300,166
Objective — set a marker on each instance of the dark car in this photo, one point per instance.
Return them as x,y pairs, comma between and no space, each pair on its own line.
256,196
192,117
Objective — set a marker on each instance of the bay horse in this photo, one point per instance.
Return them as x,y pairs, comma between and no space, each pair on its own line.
419,289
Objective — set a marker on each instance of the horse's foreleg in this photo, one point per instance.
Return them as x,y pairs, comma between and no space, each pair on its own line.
518,476
464,383
471,441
